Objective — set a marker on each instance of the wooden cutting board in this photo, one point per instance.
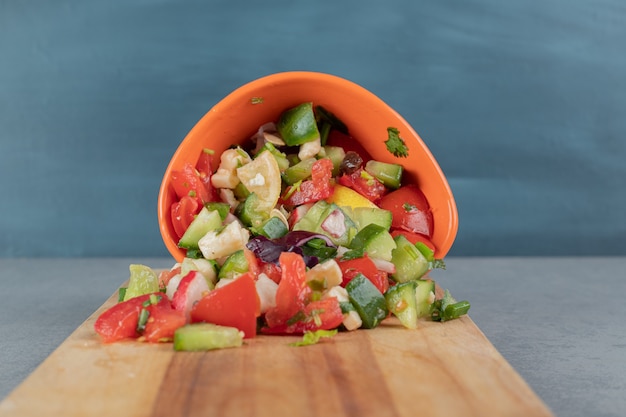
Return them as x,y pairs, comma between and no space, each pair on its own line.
441,369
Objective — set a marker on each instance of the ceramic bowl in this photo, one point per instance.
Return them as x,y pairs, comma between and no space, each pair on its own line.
238,116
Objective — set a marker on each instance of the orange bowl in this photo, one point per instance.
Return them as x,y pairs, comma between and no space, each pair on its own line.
238,116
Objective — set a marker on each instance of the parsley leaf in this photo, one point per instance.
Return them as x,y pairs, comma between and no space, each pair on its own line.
353,254
395,144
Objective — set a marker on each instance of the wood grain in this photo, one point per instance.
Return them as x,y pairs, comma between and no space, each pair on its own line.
437,370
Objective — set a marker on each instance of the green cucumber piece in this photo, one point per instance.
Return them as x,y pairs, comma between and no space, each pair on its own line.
235,264
298,172
206,221
389,174
409,262
374,240
411,300
222,208
402,303
297,125
314,219
424,296
272,228
336,155
363,216
367,301
281,158
249,213
241,192
206,336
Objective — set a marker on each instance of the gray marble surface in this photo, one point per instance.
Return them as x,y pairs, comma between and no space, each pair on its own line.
558,321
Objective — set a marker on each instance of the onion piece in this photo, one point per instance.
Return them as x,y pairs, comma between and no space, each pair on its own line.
383,265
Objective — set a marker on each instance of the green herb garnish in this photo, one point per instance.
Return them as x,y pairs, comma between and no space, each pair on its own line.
395,144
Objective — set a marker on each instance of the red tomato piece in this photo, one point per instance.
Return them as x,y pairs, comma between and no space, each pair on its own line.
364,184
236,304
183,213
187,182
271,270
293,292
414,238
163,320
367,267
120,321
315,189
162,323
324,314
205,170
410,210
166,275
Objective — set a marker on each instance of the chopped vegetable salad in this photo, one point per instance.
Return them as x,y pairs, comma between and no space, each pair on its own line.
295,233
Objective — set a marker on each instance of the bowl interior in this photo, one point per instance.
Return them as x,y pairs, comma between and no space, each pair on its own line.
238,116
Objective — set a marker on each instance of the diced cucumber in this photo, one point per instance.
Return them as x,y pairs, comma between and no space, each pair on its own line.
318,220
222,208
411,300
298,125
248,211
281,158
206,336
272,228
235,264
367,300
336,155
298,172
388,174
402,303
206,221
241,192
374,240
363,216
311,220
409,262
424,296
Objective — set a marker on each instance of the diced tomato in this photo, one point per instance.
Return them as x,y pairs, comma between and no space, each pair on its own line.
120,321
293,292
236,304
162,323
365,266
271,270
381,280
166,275
324,314
364,184
163,320
317,188
205,170
410,210
183,212
414,238
187,182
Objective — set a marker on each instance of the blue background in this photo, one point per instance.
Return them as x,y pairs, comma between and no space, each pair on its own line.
522,103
